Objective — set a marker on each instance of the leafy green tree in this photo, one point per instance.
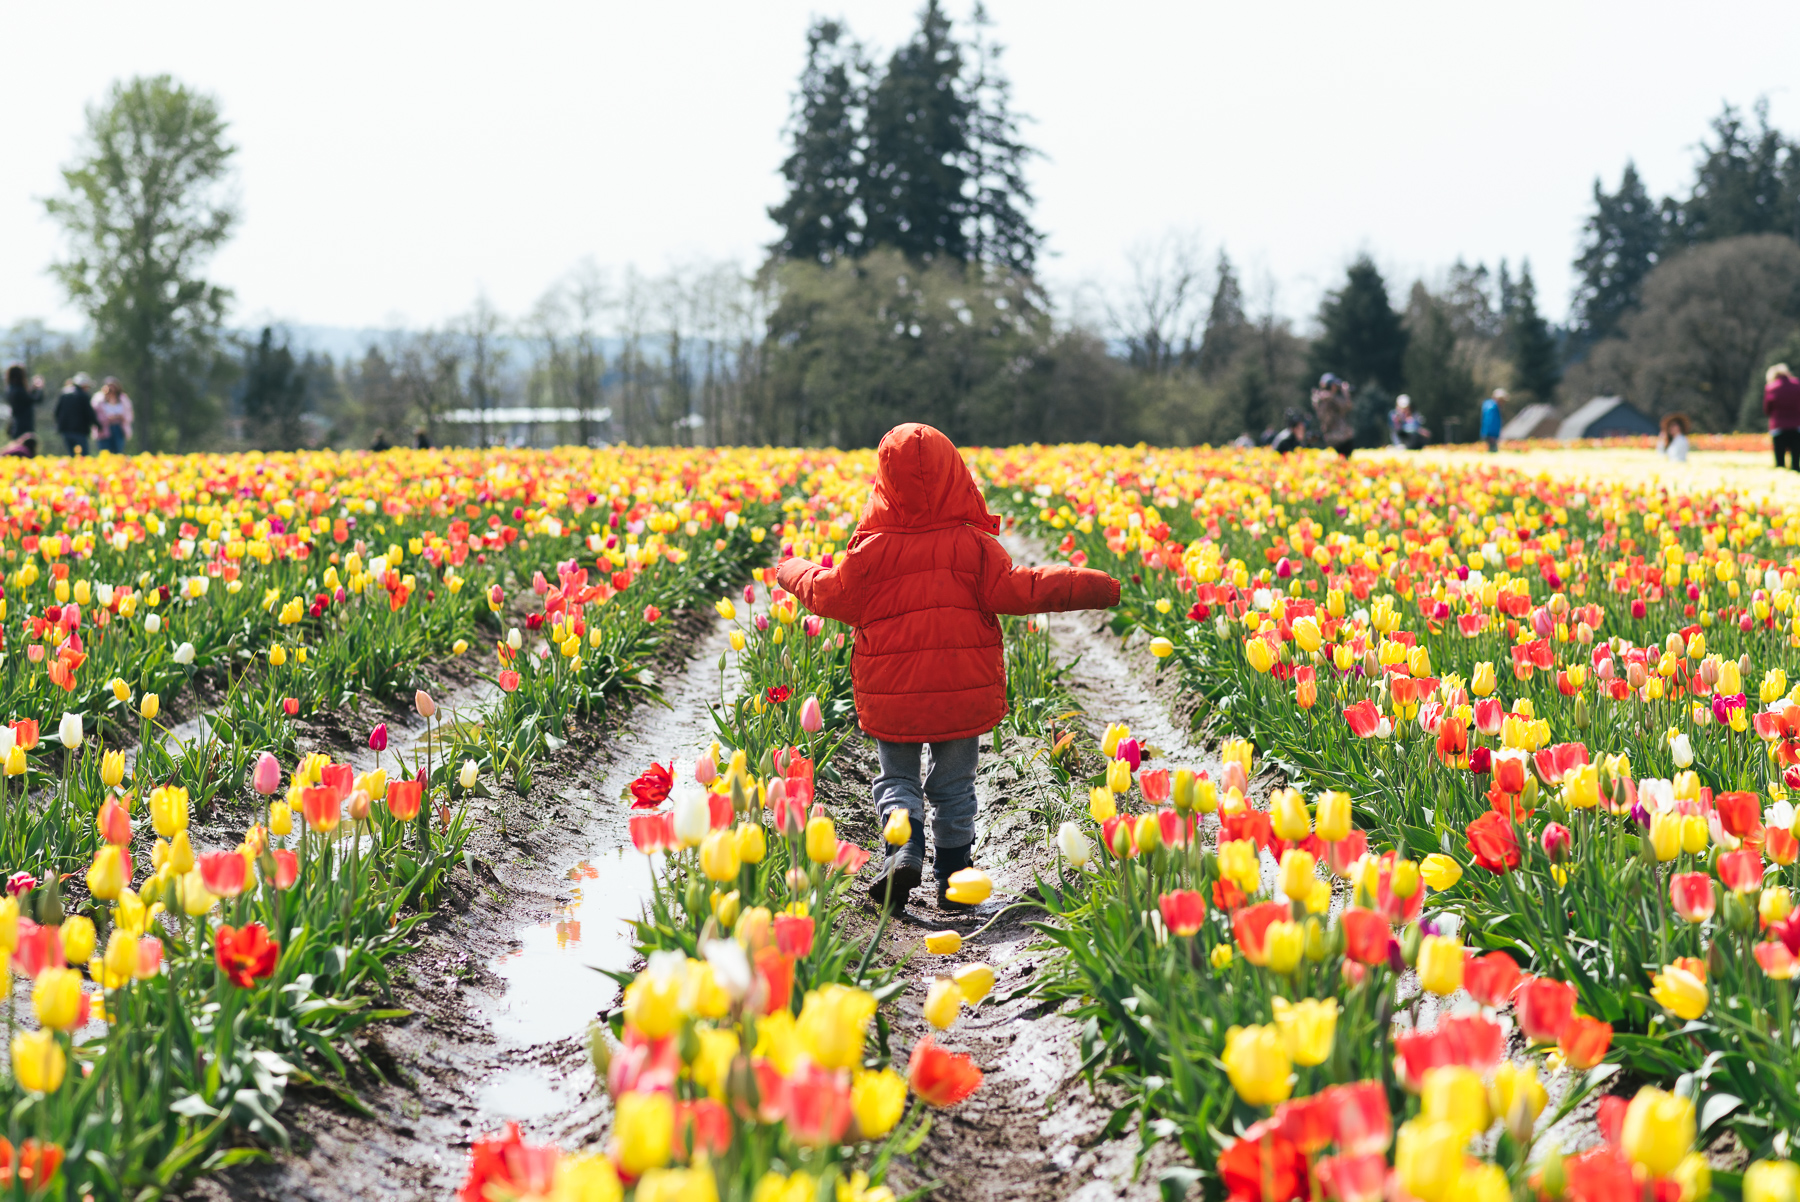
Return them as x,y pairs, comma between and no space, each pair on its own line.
273,396
1438,377
1362,339
1227,328
919,147
821,219
1537,361
1621,244
1747,182
143,208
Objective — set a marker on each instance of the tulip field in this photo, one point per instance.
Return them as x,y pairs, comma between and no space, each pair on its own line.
1486,889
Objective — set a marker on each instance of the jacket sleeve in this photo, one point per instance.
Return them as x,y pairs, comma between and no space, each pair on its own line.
828,592
1011,589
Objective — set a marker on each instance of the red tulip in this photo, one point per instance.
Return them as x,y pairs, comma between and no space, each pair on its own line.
25,733
224,873
378,738
775,969
1554,763
505,1166
1494,843
1556,841
1739,813
1470,1042
40,947
1250,927
703,1126
794,934
1781,845
1264,1165
114,823
1366,935
1481,761
1155,786
339,778
1585,1041
1362,1123
322,808
290,706
1509,771
1610,1118
1363,718
1347,851
1490,715
1305,1122
651,833
1742,871
1691,893
718,812
287,868
941,1078
850,857
1544,1008
1356,1178
1602,1174
1490,979
509,680
1183,911
248,955
651,788
403,798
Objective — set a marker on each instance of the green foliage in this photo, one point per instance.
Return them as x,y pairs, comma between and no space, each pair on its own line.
819,218
143,209
1438,376
1536,361
274,395
1621,243
1362,338
1747,182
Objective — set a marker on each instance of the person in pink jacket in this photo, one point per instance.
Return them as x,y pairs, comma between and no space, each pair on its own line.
1781,405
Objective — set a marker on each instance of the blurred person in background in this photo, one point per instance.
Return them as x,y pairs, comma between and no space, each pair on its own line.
1292,435
1492,419
1781,405
22,399
1404,425
112,414
1331,401
421,439
1673,442
75,414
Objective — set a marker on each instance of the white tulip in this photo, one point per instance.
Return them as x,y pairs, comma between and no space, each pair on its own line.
514,639
153,622
693,816
8,737
184,654
1657,796
70,730
469,774
1074,845
730,965
1682,751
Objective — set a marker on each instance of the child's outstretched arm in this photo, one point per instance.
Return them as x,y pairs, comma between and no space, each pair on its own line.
1008,588
829,592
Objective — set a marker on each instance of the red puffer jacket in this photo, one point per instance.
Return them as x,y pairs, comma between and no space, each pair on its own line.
921,581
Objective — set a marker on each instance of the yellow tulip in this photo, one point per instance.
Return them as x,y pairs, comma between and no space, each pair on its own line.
1428,1157
1517,1097
877,1099
281,818
1440,965
1297,873
752,842
1118,776
778,1042
1665,836
1283,945
1101,805
1256,1060
77,938
112,769
149,706
1483,1182
1680,992
191,892
1694,834
1455,1095
970,887
586,1179
1306,634
1221,957
56,997
943,943
1146,833
974,980
1161,647
1240,864
1307,1028
1333,815
832,1023
1483,681
38,1062
181,853
821,840
719,856
898,830
1767,1181
1658,1131
1774,904
1115,734
1259,653
643,1128
169,810
120,690
943,1002
653,1004
1287,812
106,876
1440,871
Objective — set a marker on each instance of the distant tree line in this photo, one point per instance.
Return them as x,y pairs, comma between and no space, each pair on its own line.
903,285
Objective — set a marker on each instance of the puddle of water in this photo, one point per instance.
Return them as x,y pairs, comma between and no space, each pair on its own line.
552,990
526,1094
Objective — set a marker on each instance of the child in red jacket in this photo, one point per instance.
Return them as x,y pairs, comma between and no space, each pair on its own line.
921,581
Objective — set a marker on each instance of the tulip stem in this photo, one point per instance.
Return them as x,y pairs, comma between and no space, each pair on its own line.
874,942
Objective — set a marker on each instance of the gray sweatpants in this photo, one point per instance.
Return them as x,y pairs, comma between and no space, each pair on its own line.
949,782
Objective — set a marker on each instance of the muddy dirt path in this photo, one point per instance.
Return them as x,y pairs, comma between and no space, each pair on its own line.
503,984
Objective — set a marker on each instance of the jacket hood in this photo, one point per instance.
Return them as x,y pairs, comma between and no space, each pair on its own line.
921,483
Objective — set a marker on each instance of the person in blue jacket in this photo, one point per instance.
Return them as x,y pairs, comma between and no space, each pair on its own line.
1491,419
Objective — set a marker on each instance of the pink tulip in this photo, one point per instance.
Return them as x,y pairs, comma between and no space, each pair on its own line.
539,585
378,738
749,594
811,720
705,771
813,625
424,704
267,777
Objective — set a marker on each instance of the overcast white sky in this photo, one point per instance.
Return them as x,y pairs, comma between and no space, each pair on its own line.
397,158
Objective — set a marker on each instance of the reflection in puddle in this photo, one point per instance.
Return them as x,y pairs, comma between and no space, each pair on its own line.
552,990
524,1094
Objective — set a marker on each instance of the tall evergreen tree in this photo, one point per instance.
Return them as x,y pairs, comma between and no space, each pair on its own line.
274,395
1437,376
1000,225
917,195
1748,182
1227,326
1362,338
1537,365
820,219
1621,242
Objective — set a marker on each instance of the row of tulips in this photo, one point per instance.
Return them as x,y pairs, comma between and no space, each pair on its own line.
752,1059
1535,699
176,989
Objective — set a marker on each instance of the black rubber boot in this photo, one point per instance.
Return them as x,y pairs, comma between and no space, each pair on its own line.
901,874
946,863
